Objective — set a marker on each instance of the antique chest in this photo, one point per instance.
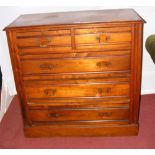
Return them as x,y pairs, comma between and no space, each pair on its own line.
78,73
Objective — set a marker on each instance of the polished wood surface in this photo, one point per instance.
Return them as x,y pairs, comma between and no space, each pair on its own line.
80,115
78,72
76,65
77,17
77,90
80,130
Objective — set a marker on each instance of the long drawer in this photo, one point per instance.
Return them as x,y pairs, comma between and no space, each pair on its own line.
76,90
79,115
107,63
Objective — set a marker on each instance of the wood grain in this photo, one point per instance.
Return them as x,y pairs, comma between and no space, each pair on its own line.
77,90
109,63
74,115
77,17
80,75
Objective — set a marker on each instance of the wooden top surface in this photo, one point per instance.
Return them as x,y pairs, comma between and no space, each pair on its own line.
76,17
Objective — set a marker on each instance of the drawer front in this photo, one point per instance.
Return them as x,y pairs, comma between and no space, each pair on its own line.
79,115
44,41
103,38
114,63
76,90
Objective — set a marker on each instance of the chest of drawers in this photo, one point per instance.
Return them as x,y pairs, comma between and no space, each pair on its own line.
78,73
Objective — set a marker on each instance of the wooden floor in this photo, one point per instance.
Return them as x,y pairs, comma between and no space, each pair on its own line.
11,132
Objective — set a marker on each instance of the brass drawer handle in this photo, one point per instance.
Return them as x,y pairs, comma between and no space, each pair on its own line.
43,42
105,114
103,64
54,115
100,91
103,38
108,90
46,66
50,92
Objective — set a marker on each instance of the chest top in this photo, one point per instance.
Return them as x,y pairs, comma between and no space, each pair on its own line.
76,17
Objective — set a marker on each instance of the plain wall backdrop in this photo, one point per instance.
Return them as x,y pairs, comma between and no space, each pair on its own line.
8,14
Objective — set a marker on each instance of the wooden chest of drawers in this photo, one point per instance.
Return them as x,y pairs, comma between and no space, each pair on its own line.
78,73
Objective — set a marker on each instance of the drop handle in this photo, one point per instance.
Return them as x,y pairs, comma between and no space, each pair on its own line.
105,114
103,38
50,92
54,115
43,42
101,92
103,64
46,66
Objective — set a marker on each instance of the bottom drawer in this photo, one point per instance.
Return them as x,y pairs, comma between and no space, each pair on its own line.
79,115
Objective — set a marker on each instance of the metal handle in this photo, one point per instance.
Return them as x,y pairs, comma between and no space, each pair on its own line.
103,38
102,64
108,38
55,115
46,66
105,114
50,92
100,91
43,42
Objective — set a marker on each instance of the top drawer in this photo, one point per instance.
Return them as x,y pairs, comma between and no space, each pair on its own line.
101,37
43,38
60,40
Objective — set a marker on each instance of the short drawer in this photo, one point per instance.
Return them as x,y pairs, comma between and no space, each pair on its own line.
103,38
43,38
107,63
41,91
79,115
43,41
